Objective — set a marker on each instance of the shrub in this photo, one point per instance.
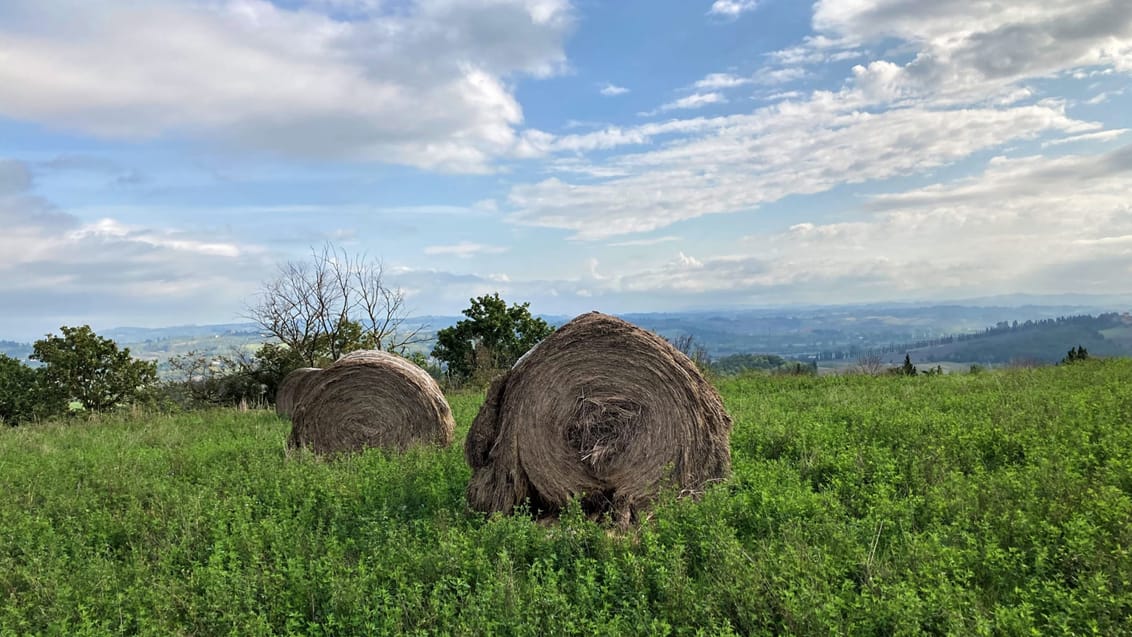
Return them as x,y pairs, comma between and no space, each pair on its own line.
21,393
493,337
84,367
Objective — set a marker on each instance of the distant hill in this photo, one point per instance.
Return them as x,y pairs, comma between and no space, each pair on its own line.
1044,341
143,334
838,332
1040,341
829,334
160,344
19,351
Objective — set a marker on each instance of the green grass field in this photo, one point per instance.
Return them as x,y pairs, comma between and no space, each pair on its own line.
994,503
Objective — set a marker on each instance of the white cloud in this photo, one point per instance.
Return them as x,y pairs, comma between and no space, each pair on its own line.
114,230
814,49
966,89
1105,241
739,162
784,75
1033,225
463,250
716,81
1099,136
693,101
1105,96
881,82
732,8
643,242
593,273
783,95
611,90
427,85
614,136
56,270
688,262
965,49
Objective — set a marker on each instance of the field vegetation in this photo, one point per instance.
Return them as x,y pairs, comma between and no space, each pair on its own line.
971,504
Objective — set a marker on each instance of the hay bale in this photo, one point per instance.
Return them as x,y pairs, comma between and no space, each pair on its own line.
600,408
371,398
292,388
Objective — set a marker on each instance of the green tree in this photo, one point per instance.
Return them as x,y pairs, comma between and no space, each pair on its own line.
270,366
82,366
1078,353
908,369
493,336
21,393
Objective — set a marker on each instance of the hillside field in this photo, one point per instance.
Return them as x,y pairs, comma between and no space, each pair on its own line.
997,503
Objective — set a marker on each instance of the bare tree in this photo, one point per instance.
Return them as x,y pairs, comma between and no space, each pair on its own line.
869,362
331,304
687,344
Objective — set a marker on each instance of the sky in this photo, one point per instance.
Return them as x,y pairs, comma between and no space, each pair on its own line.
160,159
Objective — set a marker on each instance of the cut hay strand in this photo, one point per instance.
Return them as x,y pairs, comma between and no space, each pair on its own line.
371,398
601,410
292,388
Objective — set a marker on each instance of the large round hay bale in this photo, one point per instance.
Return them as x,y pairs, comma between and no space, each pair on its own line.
600,409
371,398
292,388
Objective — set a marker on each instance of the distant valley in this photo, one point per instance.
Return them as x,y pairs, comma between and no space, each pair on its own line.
833,336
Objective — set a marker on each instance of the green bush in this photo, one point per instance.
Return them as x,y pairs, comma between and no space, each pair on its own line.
490,340
22,395
83,367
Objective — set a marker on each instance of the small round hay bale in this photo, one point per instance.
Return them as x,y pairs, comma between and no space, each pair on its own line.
292,388
601,409
371,398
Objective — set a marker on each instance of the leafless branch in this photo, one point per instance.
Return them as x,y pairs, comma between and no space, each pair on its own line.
870,362
310,305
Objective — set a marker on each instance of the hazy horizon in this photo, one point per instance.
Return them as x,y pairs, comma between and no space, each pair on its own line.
1092,303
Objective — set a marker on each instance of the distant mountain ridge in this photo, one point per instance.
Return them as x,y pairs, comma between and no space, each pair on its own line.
800,333
1044,341
142,334
12,349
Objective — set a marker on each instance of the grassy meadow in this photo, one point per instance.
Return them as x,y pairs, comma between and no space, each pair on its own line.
997,503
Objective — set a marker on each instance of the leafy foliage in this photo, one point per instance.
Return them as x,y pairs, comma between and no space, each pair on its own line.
907,369
84,367
493,337
1078,353
22,396
798,368
265,370
738,363
985,504
197,380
